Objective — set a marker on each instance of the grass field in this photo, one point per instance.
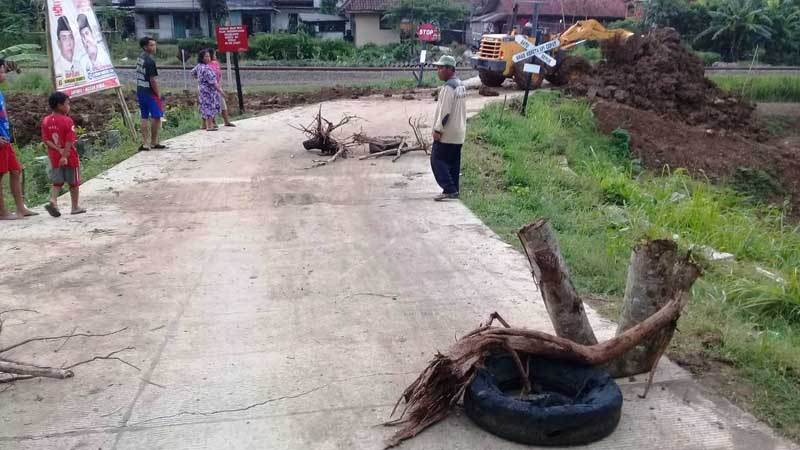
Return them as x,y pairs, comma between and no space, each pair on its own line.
556,164
762,88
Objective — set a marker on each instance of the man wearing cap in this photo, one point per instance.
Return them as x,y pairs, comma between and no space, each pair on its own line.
449,129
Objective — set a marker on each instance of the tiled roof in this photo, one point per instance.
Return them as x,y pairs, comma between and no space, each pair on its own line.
573,9
367,5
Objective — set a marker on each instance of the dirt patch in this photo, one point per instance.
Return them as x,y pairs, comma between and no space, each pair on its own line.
717,154
92,113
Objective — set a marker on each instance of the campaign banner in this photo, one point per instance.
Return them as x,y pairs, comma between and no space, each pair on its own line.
80,57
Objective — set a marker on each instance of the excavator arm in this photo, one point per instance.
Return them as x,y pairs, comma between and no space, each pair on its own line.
589,30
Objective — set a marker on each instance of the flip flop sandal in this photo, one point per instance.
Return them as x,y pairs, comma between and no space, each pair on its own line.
159,147
230,125
213,129
80,211
31,214
142,148
52,210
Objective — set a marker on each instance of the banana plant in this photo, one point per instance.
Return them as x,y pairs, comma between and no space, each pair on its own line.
21,53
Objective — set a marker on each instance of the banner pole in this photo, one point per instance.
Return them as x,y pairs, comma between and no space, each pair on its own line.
126,113
49,45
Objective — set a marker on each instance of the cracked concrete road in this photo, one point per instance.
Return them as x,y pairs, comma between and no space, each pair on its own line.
272,307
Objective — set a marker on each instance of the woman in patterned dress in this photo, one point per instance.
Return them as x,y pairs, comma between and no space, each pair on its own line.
208,90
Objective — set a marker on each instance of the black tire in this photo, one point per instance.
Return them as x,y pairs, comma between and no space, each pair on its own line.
521,78
568,69
491,79
579,404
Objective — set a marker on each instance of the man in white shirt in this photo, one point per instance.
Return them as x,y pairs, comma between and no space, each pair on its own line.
449,129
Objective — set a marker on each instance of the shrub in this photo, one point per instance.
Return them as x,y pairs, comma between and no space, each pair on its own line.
193,45
631,24
709,58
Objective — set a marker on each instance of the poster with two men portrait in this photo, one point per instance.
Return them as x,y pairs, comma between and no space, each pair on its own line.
80,58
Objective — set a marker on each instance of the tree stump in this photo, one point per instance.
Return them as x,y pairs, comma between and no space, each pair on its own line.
655,275
552,277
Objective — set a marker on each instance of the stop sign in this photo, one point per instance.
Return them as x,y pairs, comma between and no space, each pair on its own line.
428,32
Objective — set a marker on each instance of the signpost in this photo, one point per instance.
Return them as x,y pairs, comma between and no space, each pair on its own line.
537,51
427,32
233,39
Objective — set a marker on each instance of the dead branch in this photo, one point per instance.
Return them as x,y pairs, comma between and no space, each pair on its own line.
34,371
396,146
109,356
320,135
55,338
430,397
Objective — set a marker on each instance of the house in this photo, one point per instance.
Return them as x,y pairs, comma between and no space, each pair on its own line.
180,19
554,15
287,16
368,23
258,15
326,26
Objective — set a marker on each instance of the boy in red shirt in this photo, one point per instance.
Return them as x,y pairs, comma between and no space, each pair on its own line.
9,164
58,132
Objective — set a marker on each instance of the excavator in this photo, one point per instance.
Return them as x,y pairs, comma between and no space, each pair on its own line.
494,62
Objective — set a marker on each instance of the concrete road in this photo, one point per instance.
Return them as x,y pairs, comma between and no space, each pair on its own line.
272,307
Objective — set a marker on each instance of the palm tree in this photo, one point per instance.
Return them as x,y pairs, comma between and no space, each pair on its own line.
784,46
735,22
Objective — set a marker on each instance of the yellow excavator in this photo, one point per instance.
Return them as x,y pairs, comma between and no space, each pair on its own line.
494,61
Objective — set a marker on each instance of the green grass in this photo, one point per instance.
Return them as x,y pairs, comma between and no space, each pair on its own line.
37,186
556,164
761,88
592,54
28,83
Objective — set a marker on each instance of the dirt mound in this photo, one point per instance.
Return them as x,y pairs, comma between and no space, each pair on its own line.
657,73
716,154
92,113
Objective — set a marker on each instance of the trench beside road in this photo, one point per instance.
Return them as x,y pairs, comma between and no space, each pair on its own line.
268,306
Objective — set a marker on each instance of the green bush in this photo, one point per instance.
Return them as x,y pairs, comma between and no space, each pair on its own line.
191,46
630,24
709,58
284,46
29,83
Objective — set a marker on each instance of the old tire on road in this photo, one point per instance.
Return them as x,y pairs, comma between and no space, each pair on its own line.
572,404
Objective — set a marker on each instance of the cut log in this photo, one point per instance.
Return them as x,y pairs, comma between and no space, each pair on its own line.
655,275
551,275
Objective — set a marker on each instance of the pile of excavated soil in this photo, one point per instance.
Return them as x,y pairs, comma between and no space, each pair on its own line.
657,73
656,89
91,113
717,154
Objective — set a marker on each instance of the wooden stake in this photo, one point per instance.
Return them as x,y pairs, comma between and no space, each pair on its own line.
126,113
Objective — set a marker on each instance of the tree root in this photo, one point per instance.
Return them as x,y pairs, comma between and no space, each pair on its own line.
430,397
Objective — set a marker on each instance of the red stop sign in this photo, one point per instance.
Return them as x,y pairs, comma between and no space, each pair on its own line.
428,32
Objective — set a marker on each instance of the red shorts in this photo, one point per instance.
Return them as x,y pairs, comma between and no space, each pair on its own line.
8,159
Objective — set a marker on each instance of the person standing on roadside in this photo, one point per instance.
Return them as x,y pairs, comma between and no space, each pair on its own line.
449,129
9,164
214,64
149,95
208,90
